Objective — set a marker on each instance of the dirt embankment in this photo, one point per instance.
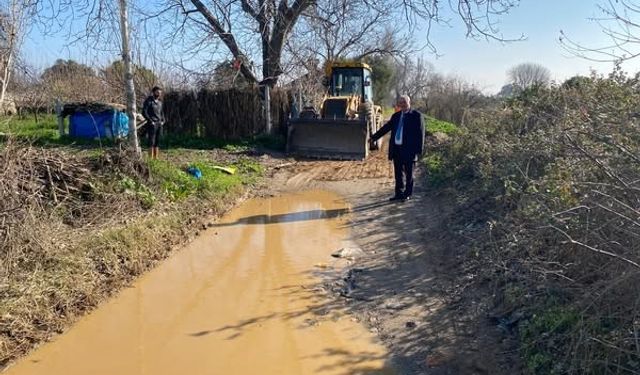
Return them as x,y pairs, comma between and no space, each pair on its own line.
409,284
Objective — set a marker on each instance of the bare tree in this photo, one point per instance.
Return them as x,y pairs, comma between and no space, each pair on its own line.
620,22
113,76
413,77
529,74
29,92
69,80
339,29
224,76
14,22
242,26
449,98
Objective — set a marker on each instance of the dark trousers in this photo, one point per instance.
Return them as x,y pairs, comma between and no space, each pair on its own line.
153,134
404,184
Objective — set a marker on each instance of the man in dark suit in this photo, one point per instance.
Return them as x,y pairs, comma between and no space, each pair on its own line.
152,112
405,145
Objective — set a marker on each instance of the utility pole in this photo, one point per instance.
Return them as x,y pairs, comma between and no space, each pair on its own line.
128,79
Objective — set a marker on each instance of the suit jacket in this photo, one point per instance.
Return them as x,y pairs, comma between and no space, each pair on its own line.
412,135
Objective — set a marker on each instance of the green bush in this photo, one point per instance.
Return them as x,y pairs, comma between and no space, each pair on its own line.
145,196
434,125
544,338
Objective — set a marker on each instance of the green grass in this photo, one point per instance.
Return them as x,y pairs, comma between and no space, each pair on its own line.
45,133
432,124
436,170
45,128
387,112
141,191
274,142
176,184
439,169
435,125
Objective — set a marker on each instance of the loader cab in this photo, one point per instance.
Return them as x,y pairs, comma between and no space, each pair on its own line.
348,81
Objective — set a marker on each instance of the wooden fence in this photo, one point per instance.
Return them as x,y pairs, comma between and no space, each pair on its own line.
223,114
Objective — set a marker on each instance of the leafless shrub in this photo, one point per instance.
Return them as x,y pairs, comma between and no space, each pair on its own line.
560,174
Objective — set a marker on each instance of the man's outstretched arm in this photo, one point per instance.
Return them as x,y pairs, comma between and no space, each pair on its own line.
382,131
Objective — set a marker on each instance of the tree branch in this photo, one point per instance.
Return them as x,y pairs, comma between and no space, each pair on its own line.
227,38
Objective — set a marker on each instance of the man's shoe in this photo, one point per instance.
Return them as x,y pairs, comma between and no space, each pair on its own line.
396,198
404,199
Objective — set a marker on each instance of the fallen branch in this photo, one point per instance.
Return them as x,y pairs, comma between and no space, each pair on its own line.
596,250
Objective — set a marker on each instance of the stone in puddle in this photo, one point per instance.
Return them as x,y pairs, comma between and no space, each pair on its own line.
348,252
311,322
395,304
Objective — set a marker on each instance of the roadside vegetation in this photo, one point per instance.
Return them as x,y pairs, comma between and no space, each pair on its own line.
547,192
78,223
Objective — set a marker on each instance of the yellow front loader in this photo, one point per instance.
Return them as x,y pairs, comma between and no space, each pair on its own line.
346,118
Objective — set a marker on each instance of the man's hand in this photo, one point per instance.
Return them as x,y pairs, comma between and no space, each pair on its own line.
372,144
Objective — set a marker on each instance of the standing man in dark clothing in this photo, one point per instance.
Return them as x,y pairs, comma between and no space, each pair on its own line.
406,144
152,112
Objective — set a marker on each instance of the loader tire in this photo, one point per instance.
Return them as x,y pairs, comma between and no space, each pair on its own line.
378,125
367,112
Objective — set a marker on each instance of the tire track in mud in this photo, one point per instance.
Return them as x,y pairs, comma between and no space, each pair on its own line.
303,173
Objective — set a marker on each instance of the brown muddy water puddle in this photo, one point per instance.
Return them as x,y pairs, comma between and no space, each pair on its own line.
238,300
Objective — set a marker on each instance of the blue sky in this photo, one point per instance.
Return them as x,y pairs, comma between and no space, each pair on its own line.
485,63
481,62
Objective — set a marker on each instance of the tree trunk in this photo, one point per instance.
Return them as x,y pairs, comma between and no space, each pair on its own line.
5,82
15,19
128,79
58,109
267,108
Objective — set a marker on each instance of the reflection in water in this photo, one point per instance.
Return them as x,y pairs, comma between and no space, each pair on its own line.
238,300
289,217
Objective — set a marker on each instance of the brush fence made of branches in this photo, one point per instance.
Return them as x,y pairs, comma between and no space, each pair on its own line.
223,114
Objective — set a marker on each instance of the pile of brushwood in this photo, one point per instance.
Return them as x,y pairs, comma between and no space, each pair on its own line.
548,188
49,199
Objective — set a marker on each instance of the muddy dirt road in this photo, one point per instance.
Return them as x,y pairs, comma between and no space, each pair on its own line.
242,298
259,293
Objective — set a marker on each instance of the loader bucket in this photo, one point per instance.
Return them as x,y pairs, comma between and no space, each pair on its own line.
328,139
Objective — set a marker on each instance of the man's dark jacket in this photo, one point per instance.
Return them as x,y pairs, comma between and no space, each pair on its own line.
152,111
412,135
